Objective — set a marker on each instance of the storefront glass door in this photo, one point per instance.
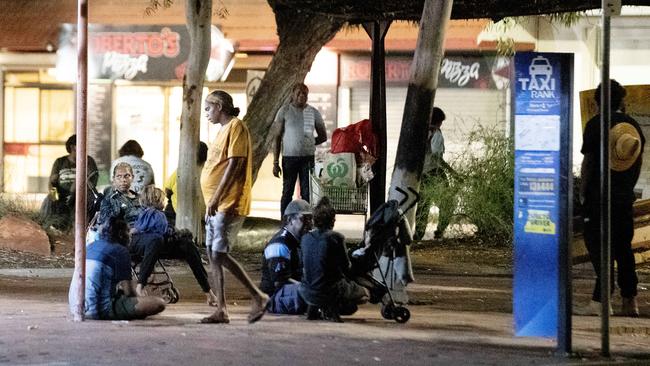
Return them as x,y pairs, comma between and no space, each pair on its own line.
139,115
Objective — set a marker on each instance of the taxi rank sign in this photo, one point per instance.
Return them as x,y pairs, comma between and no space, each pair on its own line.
542,114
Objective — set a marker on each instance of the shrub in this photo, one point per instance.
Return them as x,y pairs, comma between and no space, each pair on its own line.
482,191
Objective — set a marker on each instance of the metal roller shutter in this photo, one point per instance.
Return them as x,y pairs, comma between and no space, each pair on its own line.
464,108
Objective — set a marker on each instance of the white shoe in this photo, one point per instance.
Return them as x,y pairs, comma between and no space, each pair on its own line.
591,309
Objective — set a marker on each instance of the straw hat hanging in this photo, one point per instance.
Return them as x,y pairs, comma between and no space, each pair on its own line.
624,146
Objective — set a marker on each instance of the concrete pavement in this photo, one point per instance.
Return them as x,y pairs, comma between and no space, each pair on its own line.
471,331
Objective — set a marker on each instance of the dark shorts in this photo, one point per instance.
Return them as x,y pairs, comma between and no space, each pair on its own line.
123,308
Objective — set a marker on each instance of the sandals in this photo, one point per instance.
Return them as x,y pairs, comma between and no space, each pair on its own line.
216,318
255,314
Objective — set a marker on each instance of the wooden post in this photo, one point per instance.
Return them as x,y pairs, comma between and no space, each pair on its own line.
80,177
377,31
423,82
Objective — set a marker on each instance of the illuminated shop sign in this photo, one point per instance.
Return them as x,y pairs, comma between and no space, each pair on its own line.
139,53
476,72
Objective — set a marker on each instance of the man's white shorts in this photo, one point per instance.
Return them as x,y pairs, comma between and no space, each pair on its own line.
221,231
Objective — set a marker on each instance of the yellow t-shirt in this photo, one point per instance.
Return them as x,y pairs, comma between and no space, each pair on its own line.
171,185
233,140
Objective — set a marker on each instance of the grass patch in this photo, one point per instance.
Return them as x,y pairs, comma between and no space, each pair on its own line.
16,205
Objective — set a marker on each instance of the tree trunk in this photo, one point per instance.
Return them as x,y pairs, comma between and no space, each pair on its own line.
198,14
419,98
301,35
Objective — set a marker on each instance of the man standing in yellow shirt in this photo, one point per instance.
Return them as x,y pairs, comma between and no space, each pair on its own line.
226,182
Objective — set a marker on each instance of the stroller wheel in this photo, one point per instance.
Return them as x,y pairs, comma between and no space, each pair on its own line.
170,295
401,314
388,311
176,296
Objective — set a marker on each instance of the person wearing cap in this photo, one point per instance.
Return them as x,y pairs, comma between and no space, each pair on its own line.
281,261
226,182
298,121
626,151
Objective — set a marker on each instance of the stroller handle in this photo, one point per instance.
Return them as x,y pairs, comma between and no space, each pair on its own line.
406,197
404,193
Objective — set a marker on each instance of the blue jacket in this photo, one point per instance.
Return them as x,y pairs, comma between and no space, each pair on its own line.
280,262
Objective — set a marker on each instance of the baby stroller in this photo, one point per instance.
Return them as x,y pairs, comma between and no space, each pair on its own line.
160,282
384,252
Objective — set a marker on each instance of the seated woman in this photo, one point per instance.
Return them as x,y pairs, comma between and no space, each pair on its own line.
150,239
108,266
325,285
58,207
152,227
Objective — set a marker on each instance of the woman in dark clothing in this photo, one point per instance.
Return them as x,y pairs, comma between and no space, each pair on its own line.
58,207
152,226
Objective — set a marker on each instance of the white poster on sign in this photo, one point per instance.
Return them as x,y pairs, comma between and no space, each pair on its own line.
537,132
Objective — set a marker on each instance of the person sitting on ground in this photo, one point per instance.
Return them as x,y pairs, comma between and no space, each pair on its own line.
325,286
108,267
151,229
58,207
281,266
131,152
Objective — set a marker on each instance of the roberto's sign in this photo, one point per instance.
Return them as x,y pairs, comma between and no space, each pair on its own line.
139,52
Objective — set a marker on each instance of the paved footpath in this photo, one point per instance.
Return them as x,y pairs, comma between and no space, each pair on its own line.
37,330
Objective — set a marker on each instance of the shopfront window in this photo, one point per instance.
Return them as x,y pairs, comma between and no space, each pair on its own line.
37,122
139,115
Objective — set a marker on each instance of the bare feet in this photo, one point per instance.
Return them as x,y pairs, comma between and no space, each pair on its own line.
211,298
218,317
258,309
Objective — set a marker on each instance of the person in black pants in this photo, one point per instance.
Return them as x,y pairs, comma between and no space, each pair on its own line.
154,238
298,121
626,151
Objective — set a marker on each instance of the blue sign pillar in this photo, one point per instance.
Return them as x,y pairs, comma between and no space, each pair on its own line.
542,222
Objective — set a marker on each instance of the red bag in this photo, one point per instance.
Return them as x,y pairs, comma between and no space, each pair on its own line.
355,138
